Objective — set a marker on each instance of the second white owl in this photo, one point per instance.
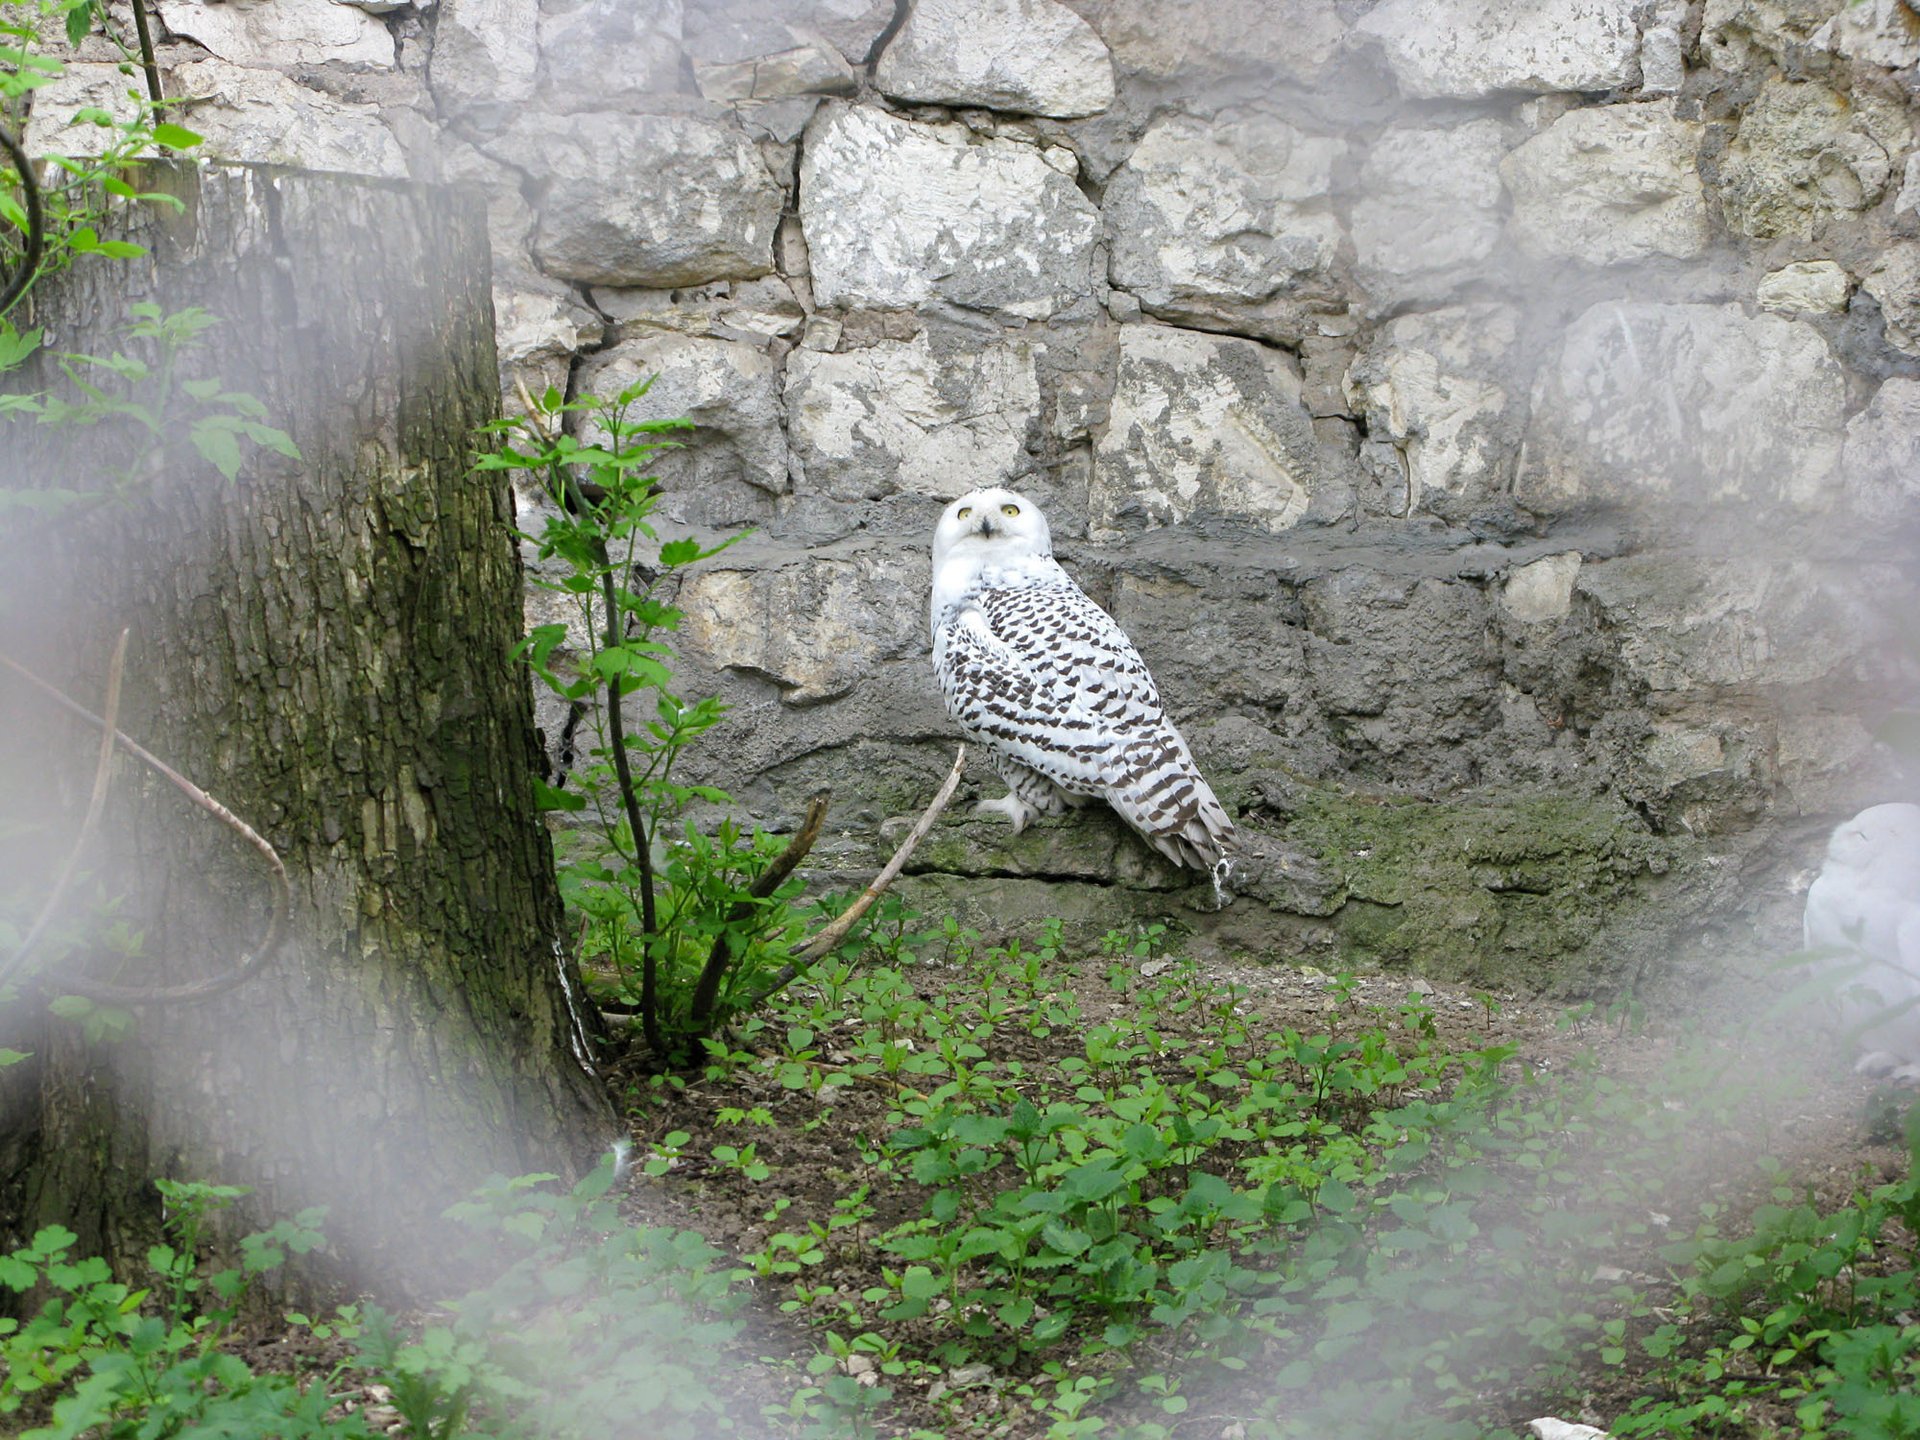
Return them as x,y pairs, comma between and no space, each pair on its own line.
1043,678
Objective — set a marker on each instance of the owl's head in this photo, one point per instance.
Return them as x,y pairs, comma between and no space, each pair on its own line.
1879,837
992,524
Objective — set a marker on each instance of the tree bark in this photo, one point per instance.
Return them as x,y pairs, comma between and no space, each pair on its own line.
323,645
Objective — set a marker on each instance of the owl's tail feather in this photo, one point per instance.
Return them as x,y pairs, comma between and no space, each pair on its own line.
1170,803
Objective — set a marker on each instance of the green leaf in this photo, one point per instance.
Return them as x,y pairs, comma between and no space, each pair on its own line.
79,22
175,137
679,552
13,1057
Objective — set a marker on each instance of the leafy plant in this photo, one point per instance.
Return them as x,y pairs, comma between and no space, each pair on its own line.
684,922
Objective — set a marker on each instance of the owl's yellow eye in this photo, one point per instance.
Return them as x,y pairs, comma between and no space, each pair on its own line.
965,510
1009,509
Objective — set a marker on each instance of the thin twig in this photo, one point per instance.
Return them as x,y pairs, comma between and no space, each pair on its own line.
642,840
277,916
96,803
804,955
706,993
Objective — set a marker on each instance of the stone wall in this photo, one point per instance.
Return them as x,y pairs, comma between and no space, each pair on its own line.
1497,425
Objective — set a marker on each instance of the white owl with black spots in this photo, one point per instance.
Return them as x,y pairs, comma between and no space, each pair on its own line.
1043,679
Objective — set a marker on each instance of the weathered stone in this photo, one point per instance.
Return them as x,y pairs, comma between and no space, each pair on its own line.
1610,183
1225,221
721,32
736,456
1201,425
1206,39
811,69
1881,465
486,57
609,54
815,626
1684,404
1436,385
1807,286
1663,61
81,85
898,214
1035,57
1429,208
653,200
1874,32
1541,590
1893,279
909,417
1804,154
1688,624
538,328
280,34
1746,34
1464,49
752,310
263,116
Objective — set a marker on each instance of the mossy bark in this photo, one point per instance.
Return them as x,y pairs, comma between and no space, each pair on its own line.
323,644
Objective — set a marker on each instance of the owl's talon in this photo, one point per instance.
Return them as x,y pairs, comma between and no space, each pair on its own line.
1016,810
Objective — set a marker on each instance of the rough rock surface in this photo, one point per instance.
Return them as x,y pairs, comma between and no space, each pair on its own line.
1438,387
609,54
1686,405
1610,183
656,200
1464,49
1202,426
1032,56
1804,154
280,34
1881,464
736,456
1429,208
1893,279
897,214
1225,222
486,57
901,417
1818,286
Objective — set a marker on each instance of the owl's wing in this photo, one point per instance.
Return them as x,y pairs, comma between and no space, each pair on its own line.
1086,715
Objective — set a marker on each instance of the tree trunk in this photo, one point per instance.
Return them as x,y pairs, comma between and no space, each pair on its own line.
323,645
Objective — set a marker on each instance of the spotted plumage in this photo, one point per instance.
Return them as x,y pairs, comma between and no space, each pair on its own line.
1041,677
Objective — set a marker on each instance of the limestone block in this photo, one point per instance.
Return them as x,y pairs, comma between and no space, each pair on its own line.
1541,590
806,69
722,32
1429,207
902,417
897,214
1201,425
653,200
815,626
1686,405
1688,623
1893,279
1881,465
1205,39
1466,49
730,391
609,54
1035,57
486,57
1748,34
280,34
261,115
1804,154
81,85
1610,183
1223,220
1436,386
538,329
752,310
1663,61
1874,32
1805,287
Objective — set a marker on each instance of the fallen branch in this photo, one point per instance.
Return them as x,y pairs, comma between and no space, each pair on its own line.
271,937
806,954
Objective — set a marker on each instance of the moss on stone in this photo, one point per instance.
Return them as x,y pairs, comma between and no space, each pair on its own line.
1524,889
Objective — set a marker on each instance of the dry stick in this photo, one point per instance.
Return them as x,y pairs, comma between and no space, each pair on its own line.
706,994
102,780
270,938
813,949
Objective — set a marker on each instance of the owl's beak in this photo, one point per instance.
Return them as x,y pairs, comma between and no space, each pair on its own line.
986,526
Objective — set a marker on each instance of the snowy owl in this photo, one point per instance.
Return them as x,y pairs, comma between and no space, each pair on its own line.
1866,900
1041,676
